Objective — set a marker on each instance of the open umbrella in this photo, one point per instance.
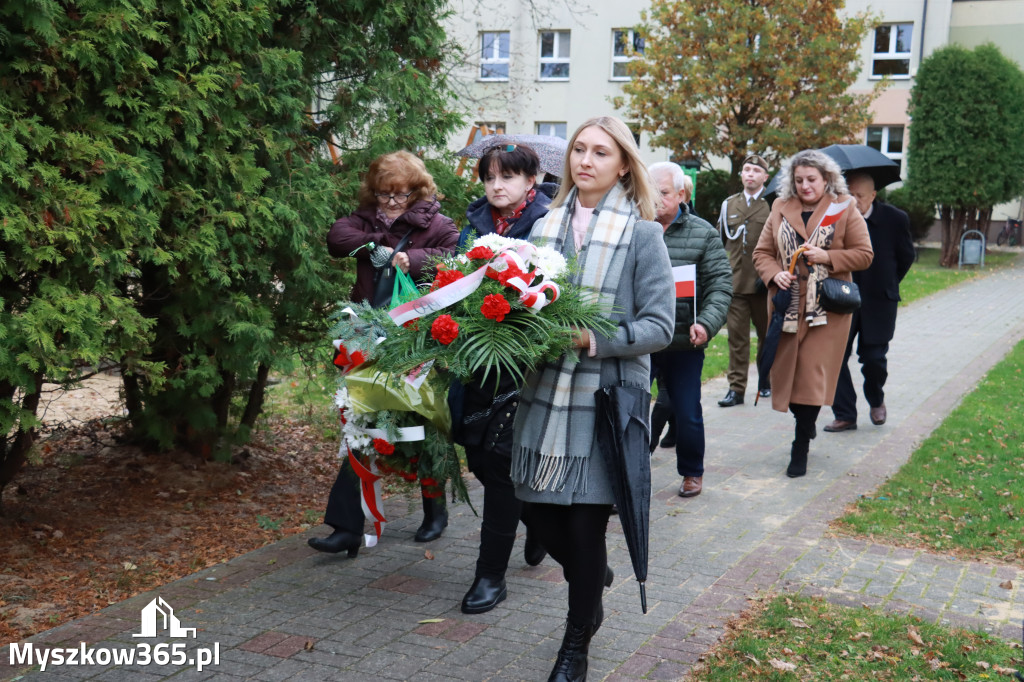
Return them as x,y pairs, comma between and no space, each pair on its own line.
860,158
550,149
624,438
780,302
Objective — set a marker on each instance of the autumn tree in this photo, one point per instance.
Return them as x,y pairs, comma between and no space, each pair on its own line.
719,78
966,150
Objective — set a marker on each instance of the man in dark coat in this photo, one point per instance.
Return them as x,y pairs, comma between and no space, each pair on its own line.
875,323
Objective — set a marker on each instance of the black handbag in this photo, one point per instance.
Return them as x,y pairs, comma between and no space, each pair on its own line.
384,278
839,296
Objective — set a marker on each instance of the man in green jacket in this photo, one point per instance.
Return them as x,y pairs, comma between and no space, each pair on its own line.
690,240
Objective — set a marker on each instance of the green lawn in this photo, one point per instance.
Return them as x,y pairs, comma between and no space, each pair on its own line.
963,489
796,638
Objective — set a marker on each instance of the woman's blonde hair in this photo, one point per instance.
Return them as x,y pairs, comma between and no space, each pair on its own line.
835,183
393,171
637,181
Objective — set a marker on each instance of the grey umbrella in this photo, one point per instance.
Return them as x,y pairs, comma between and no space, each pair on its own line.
550,149
860,158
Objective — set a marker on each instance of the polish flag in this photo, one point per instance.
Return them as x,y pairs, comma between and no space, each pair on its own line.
834,212
685,277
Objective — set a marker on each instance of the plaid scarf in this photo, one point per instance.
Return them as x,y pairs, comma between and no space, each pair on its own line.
558,400
787,241
502,223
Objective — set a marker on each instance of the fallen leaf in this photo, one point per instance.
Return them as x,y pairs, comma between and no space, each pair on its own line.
1007,585
914,636
861,635
781,665
428,555
1004,671
797,623
984,665
129,566
309,645
754,660
430,620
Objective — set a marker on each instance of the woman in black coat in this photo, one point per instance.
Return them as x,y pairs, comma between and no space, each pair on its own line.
483,412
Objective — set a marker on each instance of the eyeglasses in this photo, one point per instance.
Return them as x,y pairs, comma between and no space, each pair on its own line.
397,198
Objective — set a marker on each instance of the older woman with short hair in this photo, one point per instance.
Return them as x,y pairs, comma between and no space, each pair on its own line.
813,211
398,224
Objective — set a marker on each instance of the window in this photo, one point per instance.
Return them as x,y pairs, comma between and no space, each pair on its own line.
635,129
494,51
552,128
626,45
554,55
886,139
891,55
492,128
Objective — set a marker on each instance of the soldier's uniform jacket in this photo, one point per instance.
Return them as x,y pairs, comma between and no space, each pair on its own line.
740,226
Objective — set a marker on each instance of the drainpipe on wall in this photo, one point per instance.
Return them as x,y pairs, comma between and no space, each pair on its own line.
924,22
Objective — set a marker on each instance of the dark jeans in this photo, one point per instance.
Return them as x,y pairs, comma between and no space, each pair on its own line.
574,536
875,369
678,372
502,510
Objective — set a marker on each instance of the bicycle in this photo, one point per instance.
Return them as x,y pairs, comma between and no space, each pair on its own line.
1010,235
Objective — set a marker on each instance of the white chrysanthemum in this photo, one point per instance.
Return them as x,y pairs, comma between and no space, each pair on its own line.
341,397
549,261
353,431
495,242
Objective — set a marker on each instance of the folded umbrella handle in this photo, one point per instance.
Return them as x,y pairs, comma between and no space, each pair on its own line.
792,262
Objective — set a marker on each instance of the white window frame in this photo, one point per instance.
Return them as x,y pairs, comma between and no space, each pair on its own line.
495,58
559,35
891,52
886,136
631,39
551,128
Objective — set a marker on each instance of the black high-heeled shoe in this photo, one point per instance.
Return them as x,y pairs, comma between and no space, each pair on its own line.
338,541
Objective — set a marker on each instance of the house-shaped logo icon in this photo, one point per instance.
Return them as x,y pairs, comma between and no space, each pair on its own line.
151,616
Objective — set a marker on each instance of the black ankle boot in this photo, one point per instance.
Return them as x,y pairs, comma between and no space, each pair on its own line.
435,519
798,459
484,595
338,541
571,665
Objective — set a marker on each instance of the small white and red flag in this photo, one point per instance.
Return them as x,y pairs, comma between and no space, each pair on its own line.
685,277
834,212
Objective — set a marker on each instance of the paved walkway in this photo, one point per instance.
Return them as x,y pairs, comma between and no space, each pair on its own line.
287,613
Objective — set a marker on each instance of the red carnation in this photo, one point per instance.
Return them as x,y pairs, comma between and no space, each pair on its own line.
444,330
382,446
480,253
495,307
428,481
413,325
445,277
357,358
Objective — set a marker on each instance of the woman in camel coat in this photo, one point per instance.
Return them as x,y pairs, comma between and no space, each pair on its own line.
814,211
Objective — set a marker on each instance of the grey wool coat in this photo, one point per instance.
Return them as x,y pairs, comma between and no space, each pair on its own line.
645,296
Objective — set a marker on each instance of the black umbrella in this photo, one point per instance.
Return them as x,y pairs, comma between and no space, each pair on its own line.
624,437
860,158
780,302
549,148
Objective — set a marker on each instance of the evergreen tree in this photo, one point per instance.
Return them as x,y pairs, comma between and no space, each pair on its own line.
167,190
966,150
727,77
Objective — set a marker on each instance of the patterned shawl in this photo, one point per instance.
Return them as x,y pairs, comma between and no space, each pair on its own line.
787,242
546,456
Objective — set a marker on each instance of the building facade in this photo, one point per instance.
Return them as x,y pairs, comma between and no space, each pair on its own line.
545,68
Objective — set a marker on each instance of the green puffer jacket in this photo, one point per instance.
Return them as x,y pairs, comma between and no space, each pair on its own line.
692,240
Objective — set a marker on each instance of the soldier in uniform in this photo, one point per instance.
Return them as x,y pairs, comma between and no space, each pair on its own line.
740,222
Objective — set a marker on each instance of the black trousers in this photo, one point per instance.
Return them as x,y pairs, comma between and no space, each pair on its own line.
344,506
805,416
873,366
574,535
502,510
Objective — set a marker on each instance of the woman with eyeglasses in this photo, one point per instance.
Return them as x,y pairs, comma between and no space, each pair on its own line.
398,224
483,412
